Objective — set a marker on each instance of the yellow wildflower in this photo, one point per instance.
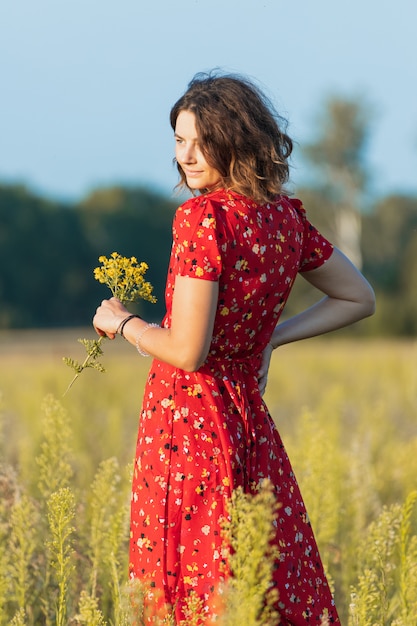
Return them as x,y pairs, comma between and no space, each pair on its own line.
125,278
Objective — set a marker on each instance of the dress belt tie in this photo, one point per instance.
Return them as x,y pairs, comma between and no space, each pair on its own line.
236,374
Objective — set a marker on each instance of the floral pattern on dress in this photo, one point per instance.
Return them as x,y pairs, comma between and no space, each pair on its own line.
204,433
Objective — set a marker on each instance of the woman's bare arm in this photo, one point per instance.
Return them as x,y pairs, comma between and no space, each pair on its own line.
348,299
187,342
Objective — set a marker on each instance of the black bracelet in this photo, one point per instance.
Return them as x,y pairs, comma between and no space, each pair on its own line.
123,324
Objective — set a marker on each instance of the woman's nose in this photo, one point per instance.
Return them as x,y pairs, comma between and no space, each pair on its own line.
188,155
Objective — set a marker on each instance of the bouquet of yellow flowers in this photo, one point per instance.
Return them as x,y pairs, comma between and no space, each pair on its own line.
125,279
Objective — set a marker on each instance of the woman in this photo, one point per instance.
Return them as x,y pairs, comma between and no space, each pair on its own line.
238,246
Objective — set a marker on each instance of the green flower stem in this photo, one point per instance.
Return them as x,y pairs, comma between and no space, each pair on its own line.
125,279
94,352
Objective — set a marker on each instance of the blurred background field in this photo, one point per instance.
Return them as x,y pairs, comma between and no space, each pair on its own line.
87,170
353,375
346,409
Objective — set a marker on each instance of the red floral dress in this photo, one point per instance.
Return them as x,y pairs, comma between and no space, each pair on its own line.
202,434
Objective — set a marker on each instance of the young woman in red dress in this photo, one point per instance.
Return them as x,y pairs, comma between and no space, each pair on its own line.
238,245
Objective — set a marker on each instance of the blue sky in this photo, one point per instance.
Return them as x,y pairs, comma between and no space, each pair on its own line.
87,85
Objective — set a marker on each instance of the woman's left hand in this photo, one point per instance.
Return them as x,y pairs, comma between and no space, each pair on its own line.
264,369
109,315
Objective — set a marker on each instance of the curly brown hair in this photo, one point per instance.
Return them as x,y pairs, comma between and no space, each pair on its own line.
240,134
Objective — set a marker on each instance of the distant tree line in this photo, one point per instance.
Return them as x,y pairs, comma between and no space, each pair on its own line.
48,250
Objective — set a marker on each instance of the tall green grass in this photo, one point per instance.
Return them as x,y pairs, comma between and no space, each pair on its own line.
347,411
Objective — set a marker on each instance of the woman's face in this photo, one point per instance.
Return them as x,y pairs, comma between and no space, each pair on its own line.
199,174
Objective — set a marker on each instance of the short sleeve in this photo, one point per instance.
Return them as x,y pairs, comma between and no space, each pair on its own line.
195,240
316,249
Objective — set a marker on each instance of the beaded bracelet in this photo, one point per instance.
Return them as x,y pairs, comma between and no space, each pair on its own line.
122,324
139,337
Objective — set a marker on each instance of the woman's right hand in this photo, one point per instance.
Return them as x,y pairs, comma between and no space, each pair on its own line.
109,315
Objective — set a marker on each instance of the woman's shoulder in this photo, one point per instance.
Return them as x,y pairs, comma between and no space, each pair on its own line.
195,212
296,203
295,206
196,203
228,200
213,201
225,200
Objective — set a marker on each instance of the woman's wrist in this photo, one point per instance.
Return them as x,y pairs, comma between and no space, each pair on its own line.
138,339
276,339
135,334
123,323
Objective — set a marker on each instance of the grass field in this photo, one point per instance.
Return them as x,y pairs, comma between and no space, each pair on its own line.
346,409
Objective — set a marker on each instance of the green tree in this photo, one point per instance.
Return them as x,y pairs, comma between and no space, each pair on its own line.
390,262
48,251
43,256
134,222
337,158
